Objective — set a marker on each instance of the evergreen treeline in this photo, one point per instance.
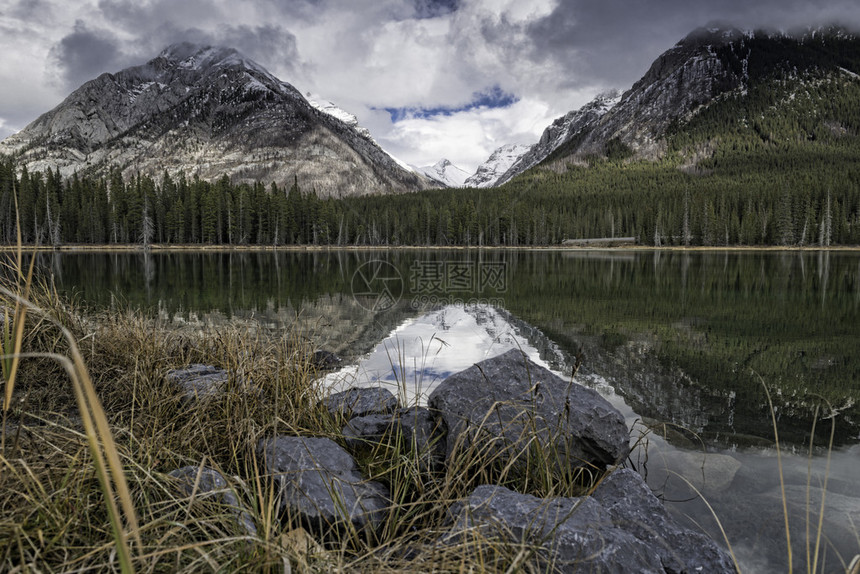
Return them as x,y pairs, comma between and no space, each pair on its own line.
82,209
778,165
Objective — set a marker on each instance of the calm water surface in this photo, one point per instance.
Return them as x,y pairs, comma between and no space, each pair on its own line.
681,343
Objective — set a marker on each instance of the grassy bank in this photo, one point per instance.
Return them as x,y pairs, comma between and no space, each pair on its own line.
57,489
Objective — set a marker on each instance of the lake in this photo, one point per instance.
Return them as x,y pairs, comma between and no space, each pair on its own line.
683,343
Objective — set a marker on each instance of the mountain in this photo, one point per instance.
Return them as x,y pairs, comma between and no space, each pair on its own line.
339,114
499,162
444,173
561,131
703,67
207,111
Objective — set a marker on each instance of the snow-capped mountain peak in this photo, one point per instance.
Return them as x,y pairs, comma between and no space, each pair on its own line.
499,162
562,130
207,111
445,173
334,111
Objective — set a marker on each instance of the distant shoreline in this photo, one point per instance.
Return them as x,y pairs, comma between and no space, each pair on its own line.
79,248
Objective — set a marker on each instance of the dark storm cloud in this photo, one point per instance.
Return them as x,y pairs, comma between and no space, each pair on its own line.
269,45
142,16
614,41
84,54
435,8
164,22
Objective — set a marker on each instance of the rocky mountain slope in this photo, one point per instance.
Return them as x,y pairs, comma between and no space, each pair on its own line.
561,131
499,162
204,111
686,79
444,173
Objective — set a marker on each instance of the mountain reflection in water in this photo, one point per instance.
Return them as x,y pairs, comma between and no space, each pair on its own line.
421,352
741,484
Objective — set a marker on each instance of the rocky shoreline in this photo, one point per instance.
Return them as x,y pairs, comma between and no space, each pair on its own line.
506,410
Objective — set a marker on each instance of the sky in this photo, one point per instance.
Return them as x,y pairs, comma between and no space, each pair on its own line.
428,78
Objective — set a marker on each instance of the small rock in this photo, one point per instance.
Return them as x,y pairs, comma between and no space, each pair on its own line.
361,401
423,433
212,483
324,360
367,430
319,482
198,381
204,381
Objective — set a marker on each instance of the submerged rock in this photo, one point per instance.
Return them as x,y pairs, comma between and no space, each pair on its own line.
621,528
508,404
319,482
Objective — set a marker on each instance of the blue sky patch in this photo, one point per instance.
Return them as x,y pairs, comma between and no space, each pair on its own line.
495,97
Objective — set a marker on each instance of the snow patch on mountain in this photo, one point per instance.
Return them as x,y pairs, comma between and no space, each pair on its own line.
500,161
445,173
338,113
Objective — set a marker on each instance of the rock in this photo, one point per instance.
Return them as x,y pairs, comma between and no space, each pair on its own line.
621,528
419,430
367,430
360,401
566,534
324,360
205,381
319,483
633,507
212,484
422,432
198,381
511,398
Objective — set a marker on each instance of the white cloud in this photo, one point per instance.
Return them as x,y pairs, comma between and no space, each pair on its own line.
466,138
553,55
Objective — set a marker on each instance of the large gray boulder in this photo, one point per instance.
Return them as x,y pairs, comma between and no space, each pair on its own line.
591,534
633,507
320,484
205,482
508,404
